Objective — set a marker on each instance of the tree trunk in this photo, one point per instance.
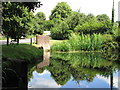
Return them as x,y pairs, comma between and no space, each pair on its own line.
7,40
31,41
111,81
17,41
119,25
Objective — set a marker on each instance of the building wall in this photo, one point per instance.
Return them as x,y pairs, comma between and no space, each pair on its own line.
43,41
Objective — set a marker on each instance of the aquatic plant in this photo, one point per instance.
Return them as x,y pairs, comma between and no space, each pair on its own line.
80,42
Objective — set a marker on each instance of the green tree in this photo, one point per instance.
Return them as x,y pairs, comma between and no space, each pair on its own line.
112,21
90,16
74,19
48,24
93,26
32,5
61,11
103,18
37,23
60,31
15,19
98,24
40,16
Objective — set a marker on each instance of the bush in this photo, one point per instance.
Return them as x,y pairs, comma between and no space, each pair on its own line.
91,27
60,32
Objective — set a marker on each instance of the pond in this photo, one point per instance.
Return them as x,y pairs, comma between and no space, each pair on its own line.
74,70
63,70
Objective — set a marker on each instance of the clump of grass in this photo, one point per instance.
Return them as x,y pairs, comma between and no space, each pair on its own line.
80,42
21,52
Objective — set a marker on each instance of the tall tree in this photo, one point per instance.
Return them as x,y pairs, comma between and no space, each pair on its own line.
103,18
74,19
112,21
15,19
40,16
48,24
90,17
32,6
61,11
37,23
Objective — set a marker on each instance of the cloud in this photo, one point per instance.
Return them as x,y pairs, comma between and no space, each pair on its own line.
42,82
44,73
107,80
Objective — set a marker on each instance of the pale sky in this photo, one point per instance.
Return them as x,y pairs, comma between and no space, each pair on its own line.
95,7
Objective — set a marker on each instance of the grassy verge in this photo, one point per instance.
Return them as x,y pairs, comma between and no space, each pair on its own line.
25,52
52,42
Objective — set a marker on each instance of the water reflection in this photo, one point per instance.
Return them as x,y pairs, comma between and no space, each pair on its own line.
62,70
67,68
46,60
14,75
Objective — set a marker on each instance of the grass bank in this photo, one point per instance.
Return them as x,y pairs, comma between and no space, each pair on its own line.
25,52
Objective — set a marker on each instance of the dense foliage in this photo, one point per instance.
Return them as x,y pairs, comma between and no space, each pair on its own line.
75,19
78,22
60,31
93,26
37,23
83,42
61,11
16,17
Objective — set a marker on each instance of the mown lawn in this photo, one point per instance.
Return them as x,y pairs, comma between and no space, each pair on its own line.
2,38
25,52
56,41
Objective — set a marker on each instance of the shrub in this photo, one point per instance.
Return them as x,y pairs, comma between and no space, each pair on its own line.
91,27
60,32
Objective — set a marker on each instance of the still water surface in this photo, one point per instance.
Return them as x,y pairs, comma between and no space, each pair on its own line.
74,70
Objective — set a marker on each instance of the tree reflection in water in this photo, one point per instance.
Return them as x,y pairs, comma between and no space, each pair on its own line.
80,66
63,66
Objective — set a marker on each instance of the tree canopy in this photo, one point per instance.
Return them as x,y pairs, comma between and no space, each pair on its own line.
16,17
40,16
74,19
103,18
61,11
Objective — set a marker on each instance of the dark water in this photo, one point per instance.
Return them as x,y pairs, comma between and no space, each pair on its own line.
64,70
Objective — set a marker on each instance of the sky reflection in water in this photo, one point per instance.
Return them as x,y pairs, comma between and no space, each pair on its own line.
45,81
65,67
